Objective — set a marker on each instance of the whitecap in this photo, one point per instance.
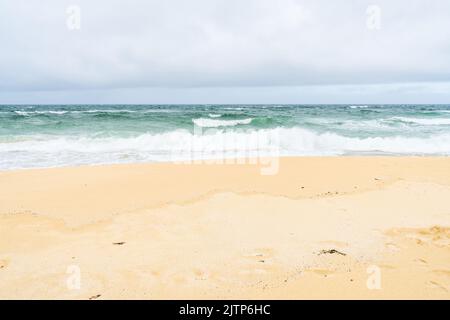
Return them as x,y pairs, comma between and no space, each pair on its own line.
424,121
26,113
359,107
47,151
212,123
106,111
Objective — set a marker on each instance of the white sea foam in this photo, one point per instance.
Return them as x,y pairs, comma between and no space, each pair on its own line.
27,113
359,107
106,111
213,123
59,112
213,115
298,141
373,124
48,151
424,121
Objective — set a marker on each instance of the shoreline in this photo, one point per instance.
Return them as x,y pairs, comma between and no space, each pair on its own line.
173,231
241,161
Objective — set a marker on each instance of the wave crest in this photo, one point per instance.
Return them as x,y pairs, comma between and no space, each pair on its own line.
424,121
49,151
214,123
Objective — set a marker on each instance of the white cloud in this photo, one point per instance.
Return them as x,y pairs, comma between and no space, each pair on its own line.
220,43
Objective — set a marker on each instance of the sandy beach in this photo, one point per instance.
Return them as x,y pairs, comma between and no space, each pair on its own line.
324,227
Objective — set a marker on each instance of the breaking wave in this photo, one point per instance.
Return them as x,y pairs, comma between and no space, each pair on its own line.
424,121
61,151
213,123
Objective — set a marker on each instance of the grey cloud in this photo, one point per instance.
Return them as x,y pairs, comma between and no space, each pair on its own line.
221,43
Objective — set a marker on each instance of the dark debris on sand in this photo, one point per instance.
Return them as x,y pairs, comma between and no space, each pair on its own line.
332,251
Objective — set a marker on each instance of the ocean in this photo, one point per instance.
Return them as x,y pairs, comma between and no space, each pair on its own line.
66,135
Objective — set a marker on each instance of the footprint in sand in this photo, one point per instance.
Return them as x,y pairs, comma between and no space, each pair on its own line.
261,254
421,261
434,284
392,246
322,272
200,274
387,266
445,273
3,264
262,258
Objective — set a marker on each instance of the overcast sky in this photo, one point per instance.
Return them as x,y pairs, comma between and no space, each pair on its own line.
225,51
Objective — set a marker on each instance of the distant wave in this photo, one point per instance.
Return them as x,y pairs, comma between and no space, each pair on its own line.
60,112
359,107
392,124
106,111
424,121
27,113
298,141
212,115
213,123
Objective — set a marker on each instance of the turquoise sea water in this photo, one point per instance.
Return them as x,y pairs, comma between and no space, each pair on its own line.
58,135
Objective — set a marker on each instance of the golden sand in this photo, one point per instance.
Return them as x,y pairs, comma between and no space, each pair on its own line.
331,227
